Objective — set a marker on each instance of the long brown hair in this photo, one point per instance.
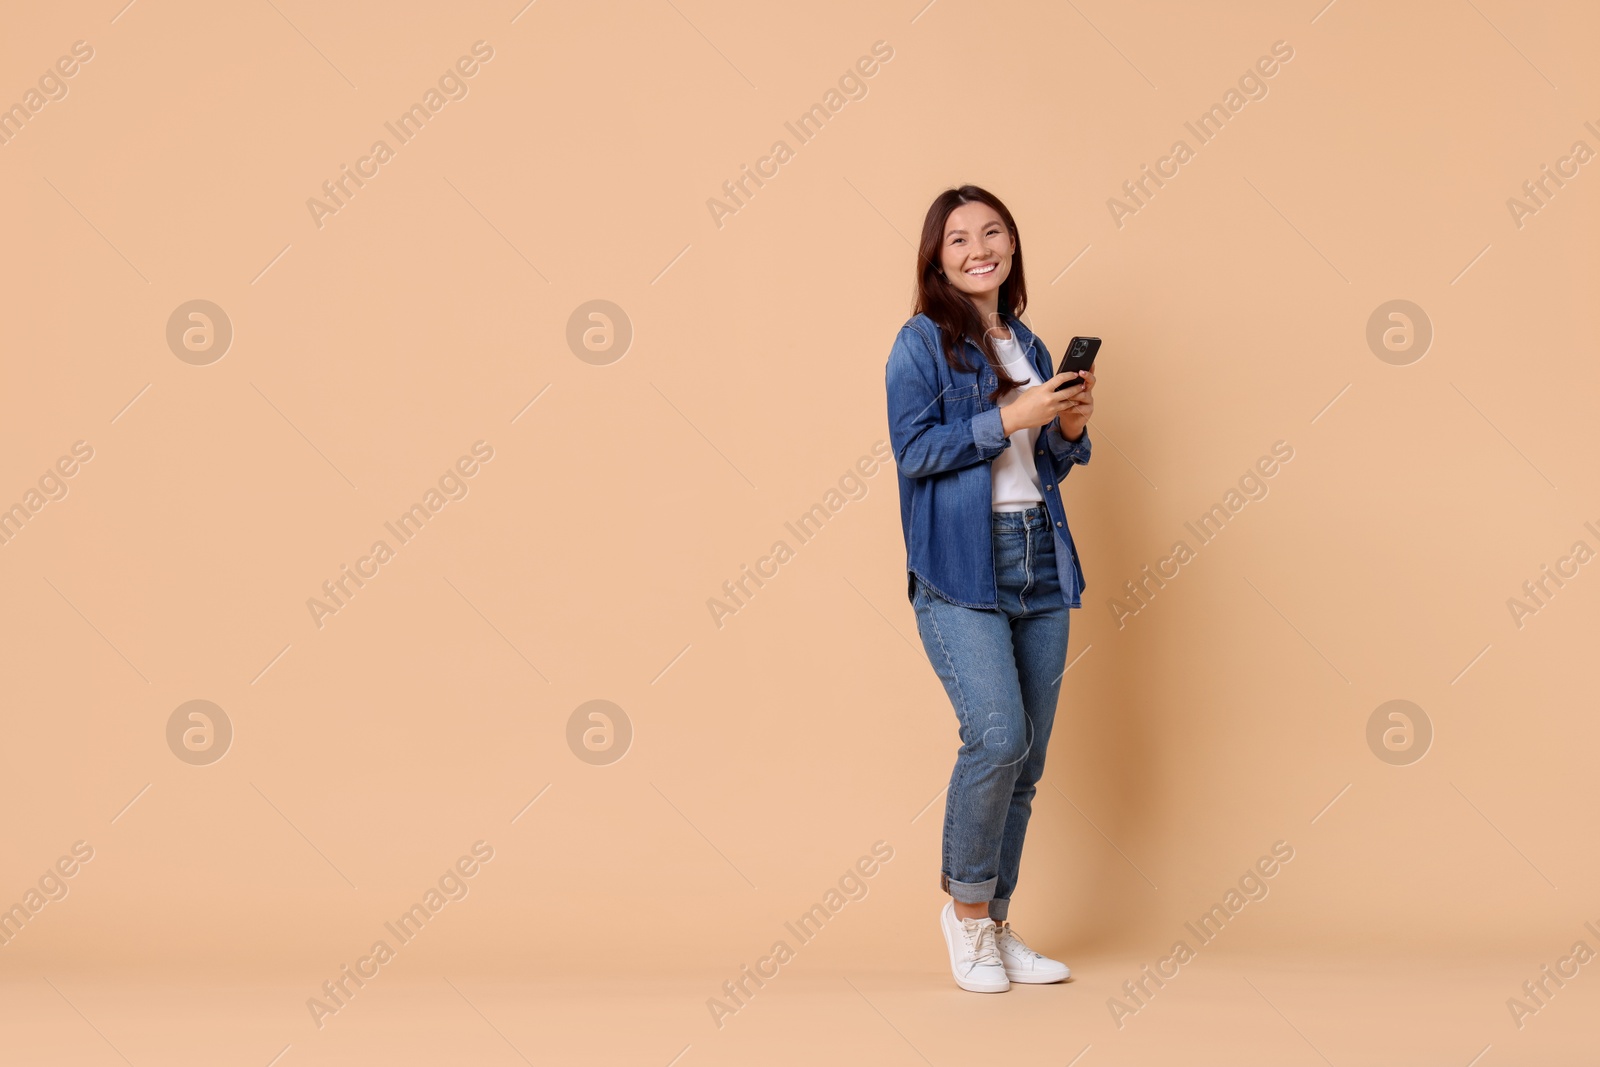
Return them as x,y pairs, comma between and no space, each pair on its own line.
950,308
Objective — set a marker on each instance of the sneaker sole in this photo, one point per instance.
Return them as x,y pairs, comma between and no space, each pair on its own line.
971,987
1033,979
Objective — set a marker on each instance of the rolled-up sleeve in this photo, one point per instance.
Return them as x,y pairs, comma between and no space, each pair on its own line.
1064,453
923,444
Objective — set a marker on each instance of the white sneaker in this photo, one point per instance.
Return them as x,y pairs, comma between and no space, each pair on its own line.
974,960
1023,964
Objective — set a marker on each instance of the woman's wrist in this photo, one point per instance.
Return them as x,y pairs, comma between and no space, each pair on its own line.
1062,431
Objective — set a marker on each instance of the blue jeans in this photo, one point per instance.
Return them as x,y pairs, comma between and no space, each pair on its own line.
1002,670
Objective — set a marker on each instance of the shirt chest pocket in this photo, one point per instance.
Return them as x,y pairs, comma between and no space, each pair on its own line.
960,401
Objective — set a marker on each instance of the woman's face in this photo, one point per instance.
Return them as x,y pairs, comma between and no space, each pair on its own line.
977,250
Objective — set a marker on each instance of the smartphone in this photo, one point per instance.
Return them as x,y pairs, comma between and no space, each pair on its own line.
1080,356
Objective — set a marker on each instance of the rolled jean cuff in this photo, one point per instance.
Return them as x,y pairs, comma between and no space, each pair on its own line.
969,892
998,907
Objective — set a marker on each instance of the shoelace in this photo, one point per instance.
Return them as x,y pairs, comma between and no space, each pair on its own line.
1017,945
980,941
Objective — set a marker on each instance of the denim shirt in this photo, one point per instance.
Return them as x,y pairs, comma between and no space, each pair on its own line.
945,431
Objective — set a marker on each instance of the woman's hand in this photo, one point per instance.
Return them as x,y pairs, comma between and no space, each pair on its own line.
1076,416
1040,404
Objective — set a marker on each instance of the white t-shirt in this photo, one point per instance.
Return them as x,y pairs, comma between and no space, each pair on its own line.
1015,477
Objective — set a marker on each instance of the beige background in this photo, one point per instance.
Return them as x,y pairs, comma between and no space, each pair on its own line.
768,754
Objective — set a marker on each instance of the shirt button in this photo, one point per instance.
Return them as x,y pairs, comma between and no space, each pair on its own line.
1058,524
1049,487
1041,451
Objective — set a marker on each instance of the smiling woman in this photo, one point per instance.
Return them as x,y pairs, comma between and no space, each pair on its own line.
983,435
